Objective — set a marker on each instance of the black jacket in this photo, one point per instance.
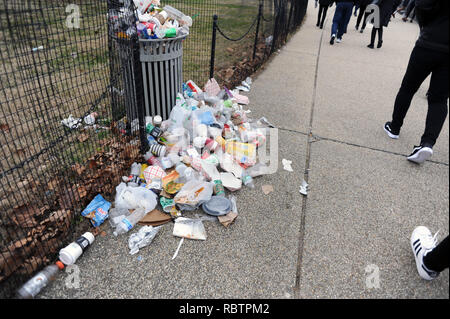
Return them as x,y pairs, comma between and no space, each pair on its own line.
326,2
364,3
433,21
387,8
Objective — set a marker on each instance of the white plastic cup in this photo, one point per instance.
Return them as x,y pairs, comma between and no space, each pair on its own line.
71,253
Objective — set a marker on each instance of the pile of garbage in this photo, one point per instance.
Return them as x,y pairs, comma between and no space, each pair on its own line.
197,159
159,23
150,21
204,150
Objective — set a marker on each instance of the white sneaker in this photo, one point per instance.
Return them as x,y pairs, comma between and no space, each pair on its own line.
338,40
420,154
422,242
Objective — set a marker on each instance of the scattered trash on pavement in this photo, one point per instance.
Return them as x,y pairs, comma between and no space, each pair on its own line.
189,228
304,188
142,238
72,252
287,165
267,189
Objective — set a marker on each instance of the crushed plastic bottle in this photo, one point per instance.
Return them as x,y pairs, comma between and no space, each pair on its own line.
129,222
247,180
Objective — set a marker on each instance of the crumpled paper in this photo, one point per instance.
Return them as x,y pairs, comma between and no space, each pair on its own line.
287,165
142,238
304,188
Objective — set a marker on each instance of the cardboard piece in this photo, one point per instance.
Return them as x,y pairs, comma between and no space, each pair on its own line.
155,218
227,219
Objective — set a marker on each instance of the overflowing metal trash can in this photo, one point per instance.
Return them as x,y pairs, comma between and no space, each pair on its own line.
162,74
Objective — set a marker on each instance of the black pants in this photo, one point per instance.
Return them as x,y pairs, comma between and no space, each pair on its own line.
374,34
421,63
362,13
411,6
322,13
439,258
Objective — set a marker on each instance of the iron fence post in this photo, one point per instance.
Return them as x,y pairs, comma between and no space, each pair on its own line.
213,46
257,29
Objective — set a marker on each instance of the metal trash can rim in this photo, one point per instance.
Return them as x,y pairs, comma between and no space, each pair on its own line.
182,37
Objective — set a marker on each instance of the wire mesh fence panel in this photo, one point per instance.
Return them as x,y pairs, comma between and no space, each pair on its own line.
60,144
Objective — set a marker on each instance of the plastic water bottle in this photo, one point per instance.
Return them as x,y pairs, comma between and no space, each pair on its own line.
33,286
129,222
247,179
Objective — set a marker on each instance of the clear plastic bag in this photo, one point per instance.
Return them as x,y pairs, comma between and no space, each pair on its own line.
193,194
142,238
135,197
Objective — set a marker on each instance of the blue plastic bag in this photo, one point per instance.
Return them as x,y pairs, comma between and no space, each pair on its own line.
206,118
97,210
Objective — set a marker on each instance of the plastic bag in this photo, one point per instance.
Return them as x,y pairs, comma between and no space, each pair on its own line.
142,238
189,228
193,194
135,197
97,210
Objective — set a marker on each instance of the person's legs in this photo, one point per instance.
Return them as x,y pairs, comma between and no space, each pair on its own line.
419,67
336,21
380,37
360,16
324,15
346,16
372,38
366,15
439,258
409,8
319,15
438,94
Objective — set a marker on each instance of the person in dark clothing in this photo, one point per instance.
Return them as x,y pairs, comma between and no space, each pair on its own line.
409,10
431,259
429,56
341,19
362,13
323,8
387,8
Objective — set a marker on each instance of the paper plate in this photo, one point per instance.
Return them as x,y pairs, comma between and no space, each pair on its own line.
217,206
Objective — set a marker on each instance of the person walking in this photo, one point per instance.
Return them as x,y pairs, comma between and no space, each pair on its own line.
409,10
431,259
341,19
323,8
429,56
386,9
362,13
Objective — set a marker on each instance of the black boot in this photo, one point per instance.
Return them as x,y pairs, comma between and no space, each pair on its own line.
380,44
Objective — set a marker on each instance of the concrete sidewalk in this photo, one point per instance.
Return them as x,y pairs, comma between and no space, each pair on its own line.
365,198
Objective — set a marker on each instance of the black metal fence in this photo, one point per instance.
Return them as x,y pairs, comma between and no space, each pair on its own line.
71,121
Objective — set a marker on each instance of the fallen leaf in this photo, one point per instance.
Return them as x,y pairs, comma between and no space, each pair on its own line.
78,168
53,184
4,127
83,137
82,191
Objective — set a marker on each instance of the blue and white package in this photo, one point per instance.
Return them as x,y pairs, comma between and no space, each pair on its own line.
97,210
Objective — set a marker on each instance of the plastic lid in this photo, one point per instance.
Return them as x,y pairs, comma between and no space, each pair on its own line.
217,206
59,264
89,236
66,258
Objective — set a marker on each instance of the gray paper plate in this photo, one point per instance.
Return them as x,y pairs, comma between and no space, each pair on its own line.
217,206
